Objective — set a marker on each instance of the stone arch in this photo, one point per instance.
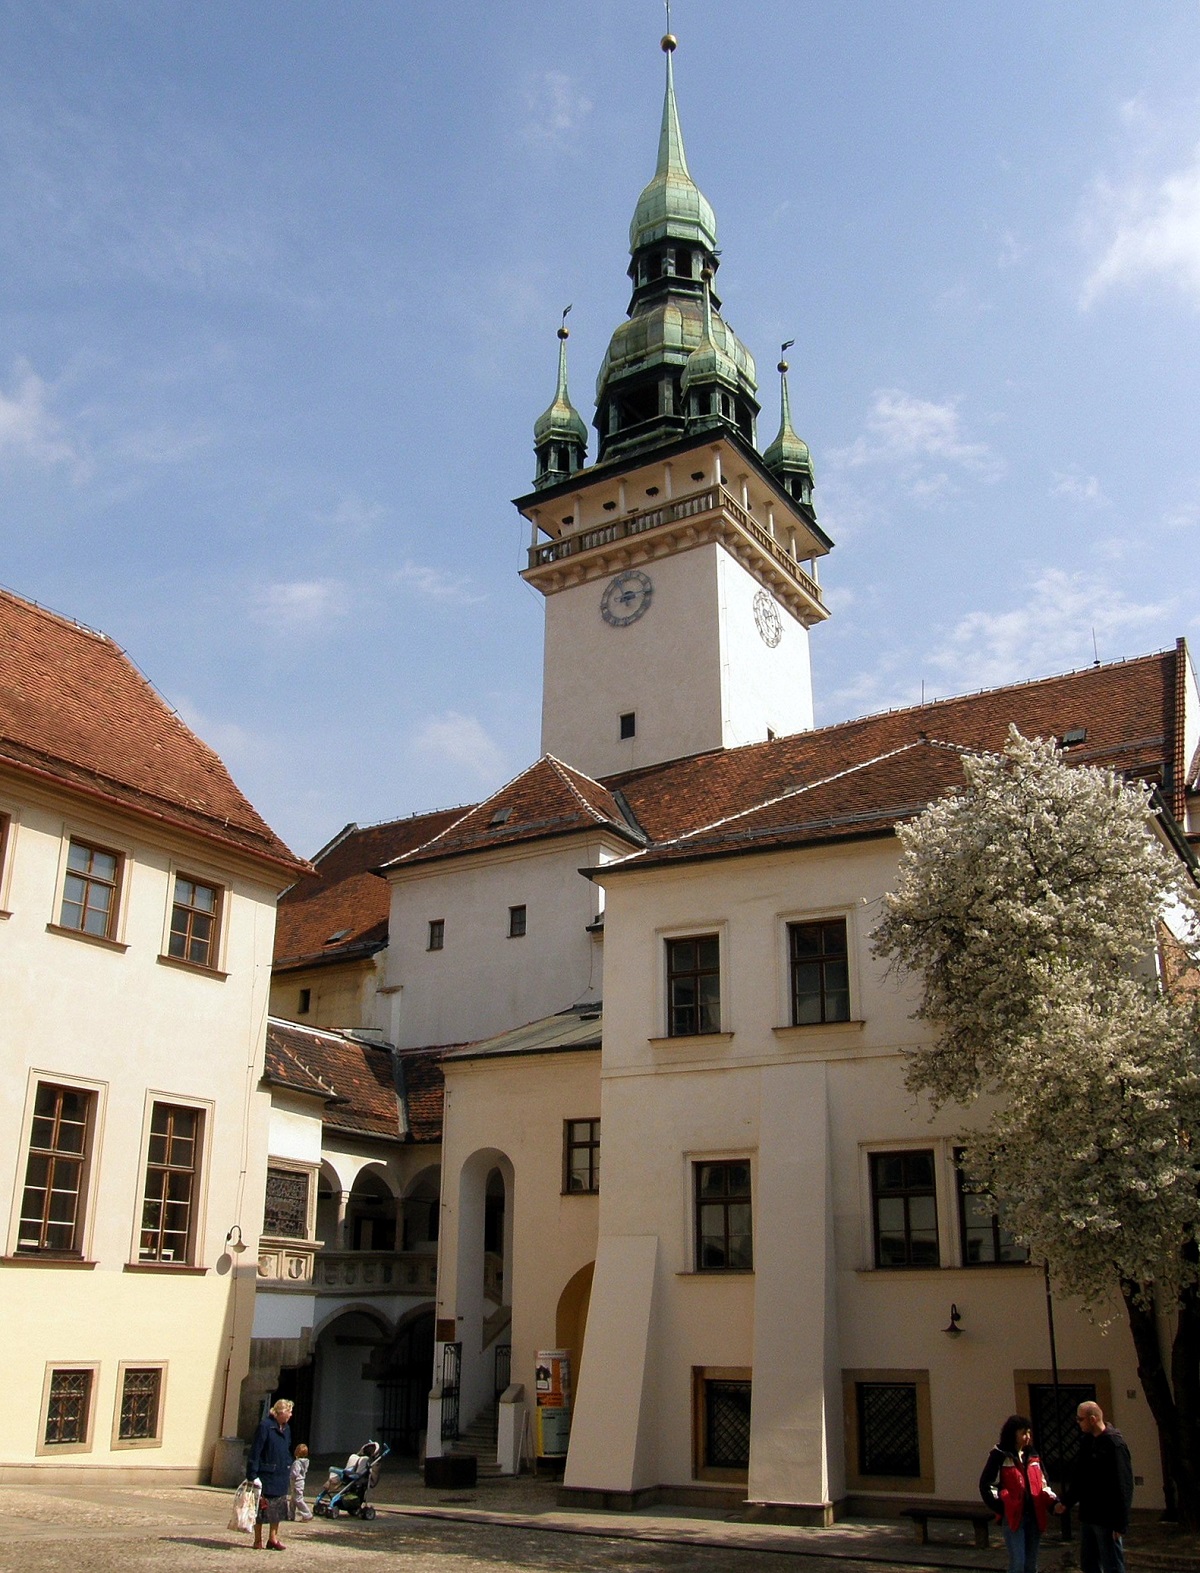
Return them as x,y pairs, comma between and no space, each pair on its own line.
346,1401
570,1318
486,1201
421,1210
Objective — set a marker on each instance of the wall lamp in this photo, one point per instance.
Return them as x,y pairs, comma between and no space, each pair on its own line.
953,1327
234,1241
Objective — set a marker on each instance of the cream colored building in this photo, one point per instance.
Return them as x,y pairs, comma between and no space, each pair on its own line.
137,897
772,1282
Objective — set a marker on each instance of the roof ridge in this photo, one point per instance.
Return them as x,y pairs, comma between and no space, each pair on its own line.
72,623
561,767
769,802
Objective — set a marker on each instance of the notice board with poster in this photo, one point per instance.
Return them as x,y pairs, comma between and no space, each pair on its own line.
552,1384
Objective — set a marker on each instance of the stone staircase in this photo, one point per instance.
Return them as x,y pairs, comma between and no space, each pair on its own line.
479,1438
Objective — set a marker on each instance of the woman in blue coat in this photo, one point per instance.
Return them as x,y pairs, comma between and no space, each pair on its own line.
270,1466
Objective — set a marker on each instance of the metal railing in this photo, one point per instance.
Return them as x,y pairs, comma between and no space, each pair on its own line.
707,500
451,1370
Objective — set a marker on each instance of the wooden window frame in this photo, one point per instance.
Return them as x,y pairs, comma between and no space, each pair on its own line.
875,1154
822,960
701,1376
696,973
436,938
962,1192
216,918
84,1158
922,1484
726,1161
117,1442
196,1171
591,1145
518,921
45,1449
116,885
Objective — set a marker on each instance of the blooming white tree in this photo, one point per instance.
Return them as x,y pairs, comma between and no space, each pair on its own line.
1027,904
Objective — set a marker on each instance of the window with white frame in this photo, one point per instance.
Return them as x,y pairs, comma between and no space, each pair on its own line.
724,1216
819,971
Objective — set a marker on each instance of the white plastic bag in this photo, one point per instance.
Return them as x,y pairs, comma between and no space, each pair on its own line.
245,1507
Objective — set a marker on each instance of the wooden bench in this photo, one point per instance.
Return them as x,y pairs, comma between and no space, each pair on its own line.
979,1518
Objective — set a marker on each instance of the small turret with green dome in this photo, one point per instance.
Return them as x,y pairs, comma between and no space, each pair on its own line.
560,433
788,458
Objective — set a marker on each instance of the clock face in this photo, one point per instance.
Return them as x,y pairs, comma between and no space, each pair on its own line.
767,619
625,598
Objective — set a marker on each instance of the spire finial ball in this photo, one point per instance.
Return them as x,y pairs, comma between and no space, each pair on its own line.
782,367
564,332
669,43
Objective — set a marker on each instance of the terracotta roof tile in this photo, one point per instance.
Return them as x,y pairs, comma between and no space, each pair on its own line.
837,781
359,1074
369,1088
343,896
547,799
73,707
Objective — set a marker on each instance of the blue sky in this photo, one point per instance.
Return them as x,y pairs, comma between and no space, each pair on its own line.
280,288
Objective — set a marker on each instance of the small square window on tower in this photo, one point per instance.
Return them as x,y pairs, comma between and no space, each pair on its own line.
516,922
629,724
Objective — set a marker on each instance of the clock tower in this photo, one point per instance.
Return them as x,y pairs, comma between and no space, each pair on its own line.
679,570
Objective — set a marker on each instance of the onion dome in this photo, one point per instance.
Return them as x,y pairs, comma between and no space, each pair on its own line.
788,457
709,385
672,205
559,433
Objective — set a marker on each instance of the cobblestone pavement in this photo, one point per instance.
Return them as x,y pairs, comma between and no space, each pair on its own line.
499,1527
182,1530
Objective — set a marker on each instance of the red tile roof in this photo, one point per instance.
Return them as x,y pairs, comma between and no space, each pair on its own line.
548,799
369,1088
860,777
343,897
75,710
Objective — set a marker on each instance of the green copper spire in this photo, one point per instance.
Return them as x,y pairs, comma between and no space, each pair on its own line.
788,457
672,204
559,433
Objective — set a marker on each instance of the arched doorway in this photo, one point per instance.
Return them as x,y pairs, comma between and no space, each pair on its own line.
346,1404
570,1318
406,1375
371,1214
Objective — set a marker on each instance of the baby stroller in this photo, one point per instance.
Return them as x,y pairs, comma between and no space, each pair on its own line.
346,1489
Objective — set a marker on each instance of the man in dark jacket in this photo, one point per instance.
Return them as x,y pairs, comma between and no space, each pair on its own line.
269,1466
1101,1482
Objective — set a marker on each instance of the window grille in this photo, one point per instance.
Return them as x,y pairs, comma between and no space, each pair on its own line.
726,1424
69,1408
140,1393
888,1439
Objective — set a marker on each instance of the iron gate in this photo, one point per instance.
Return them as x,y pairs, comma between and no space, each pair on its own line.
451,1368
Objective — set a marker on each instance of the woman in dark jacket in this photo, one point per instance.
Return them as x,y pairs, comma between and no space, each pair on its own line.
270,1466
1012,1484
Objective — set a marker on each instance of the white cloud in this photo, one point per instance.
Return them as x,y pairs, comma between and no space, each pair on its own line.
460,740
555,109
298,604
1185,516
161,445
436,585
924,442
28,430
1147,231
1051,631
1078,488
353,516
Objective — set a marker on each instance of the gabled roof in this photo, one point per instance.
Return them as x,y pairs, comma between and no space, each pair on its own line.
343,898
859,778
549,799
369,1089
74,710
